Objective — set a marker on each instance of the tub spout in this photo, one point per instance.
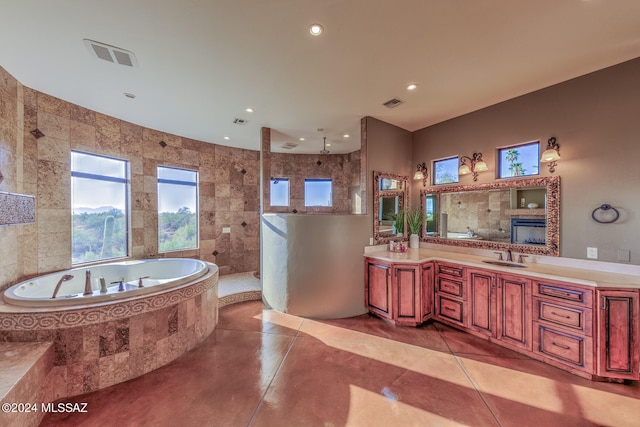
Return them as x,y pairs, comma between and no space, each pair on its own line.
87,284
62,279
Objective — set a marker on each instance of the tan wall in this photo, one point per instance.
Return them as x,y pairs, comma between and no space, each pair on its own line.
595,120
41,167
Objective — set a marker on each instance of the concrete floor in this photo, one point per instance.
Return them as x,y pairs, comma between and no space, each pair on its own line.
264,368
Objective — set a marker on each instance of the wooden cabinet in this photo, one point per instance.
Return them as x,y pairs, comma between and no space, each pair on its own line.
401,293
450,295
378,288
500,307
592,332
563,325
618,340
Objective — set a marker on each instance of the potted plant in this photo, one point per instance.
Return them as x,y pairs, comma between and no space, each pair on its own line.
414,223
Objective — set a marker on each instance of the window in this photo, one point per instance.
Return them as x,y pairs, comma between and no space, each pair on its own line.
317,192
519,160
99,208
446,171
177,209
279,192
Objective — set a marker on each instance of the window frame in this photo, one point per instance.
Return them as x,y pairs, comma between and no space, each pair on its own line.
277,180
445,159
195,184
125,180
500,150
330,181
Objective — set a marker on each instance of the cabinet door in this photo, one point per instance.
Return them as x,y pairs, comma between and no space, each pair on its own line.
618,334
406,292
378,288
426,296
482,291
514,311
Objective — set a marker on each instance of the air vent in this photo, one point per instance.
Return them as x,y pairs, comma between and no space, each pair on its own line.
393,103
289,145
240,122
111,53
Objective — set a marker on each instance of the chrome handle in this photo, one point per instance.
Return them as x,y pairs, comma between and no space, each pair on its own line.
561,346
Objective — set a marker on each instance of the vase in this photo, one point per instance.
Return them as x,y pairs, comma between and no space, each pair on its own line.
414,241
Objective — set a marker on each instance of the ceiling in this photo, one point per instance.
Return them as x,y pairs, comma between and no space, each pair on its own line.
201,63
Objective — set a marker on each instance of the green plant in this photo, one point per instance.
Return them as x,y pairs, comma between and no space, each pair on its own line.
414,220
398,222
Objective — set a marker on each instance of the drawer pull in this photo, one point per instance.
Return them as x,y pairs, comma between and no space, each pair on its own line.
561,346
449,309
560,315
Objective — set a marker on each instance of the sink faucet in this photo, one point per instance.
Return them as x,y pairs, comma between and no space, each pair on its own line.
64,278
509,255
87,284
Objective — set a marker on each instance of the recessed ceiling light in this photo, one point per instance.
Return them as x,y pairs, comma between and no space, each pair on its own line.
301,139
412,86
316,29
227,138
346,135
328,145
249,110
129,95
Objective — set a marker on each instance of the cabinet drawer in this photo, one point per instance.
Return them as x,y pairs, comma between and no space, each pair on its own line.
450,309
571,317
564,347
564,293
450,270
451,287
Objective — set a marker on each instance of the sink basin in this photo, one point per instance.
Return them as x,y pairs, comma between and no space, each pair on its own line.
504,263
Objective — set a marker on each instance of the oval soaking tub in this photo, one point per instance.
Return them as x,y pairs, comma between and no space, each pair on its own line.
154,275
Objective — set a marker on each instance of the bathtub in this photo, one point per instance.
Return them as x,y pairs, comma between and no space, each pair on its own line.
155,275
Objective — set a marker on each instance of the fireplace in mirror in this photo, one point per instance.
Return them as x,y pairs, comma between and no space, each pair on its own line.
528,231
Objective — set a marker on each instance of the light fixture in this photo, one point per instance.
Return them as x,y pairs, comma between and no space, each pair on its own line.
249,110
316,29
412,86
476,166
129,95
422,173
346,135
324,150
551,155
301,139
227,138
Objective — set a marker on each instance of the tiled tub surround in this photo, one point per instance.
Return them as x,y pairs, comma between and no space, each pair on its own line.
41,167
104,344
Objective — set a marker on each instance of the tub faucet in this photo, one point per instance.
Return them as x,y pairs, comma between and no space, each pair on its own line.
62,279
140,285
87,284
120,285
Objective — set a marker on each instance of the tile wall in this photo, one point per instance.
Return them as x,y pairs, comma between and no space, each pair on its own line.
40,166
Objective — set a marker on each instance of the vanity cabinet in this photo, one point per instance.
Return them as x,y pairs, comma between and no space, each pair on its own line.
400,293
563,325
590,331
450,294
500,307
618,352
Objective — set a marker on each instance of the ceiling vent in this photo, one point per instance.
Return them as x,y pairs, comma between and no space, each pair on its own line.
289,145
240,122
392,103
111,53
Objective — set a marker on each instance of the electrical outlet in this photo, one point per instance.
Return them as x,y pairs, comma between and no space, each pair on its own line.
370,241
624,255
226,230
522,202
592,253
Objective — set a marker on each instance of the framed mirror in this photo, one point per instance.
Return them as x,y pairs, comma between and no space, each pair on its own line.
389,199
518,214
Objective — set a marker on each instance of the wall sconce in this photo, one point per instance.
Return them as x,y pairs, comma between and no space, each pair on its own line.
422,174
552,154
477,165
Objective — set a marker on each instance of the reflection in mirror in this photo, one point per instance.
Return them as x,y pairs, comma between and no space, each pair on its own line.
521,215
388,204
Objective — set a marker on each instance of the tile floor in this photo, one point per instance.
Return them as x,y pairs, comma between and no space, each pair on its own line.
264,368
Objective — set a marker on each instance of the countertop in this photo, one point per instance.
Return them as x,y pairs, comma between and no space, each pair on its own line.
580,276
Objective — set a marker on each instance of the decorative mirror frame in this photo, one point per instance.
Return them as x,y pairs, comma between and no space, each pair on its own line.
402,194
552,183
